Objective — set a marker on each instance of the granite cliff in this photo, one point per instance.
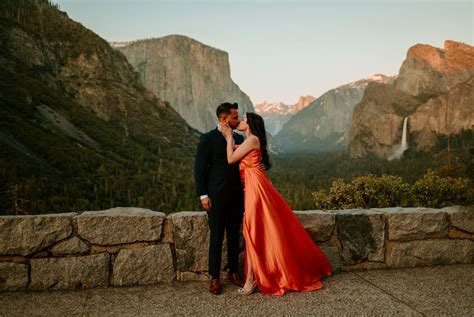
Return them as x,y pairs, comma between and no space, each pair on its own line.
434,89
192,77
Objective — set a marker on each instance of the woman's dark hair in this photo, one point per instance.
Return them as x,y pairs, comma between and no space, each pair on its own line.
257,126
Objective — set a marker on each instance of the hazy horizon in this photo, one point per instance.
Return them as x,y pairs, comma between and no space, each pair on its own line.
281,50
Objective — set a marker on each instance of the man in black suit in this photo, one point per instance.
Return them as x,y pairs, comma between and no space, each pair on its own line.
220,189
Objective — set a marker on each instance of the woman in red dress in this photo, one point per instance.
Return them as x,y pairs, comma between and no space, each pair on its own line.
279,253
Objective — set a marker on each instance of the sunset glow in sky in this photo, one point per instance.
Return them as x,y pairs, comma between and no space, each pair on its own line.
279,50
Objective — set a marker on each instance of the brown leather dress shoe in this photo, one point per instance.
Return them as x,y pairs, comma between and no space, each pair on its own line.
235,278
215,286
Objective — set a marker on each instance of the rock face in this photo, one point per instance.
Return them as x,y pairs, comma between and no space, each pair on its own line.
28,234
276,114
194,78
430,70
324,124
449,113
434,90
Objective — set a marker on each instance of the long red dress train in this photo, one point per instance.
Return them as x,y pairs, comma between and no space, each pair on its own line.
282,254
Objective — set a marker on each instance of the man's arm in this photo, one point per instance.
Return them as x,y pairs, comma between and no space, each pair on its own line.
201,162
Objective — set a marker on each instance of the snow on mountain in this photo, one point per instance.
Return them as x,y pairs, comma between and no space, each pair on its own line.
276,114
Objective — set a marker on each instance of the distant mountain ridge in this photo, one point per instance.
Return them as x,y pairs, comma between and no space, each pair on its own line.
192,77
324,124
276,114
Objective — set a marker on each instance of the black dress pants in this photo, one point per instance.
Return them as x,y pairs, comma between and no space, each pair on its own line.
225,216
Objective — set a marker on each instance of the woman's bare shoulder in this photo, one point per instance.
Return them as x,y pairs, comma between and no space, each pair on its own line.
254,140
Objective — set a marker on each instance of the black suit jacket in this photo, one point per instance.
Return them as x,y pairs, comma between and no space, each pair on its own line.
212,174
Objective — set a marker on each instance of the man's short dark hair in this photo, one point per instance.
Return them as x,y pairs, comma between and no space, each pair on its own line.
225,108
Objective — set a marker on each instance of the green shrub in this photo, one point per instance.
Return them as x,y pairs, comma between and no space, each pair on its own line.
371,191
435,191
390,191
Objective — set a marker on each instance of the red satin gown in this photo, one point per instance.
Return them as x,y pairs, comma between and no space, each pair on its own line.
282,254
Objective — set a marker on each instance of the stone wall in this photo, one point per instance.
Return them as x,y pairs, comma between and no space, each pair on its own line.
130,246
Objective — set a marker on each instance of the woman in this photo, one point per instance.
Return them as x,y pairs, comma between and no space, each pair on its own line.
279,253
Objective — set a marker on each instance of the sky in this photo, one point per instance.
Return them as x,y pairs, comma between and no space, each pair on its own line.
280,50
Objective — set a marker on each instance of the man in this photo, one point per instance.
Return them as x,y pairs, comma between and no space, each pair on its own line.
221,192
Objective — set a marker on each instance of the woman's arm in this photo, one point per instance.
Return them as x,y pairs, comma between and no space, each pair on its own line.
251,143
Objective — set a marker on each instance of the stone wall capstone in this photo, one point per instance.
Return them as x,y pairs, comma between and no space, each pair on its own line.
120,225
406,225
24,235
461,218
319,224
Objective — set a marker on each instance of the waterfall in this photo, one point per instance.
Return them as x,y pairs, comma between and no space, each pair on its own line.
404,144
398,151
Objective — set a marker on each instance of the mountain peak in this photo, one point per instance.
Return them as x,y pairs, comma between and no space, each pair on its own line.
362,83
278,107
454,57
435,70
303,102
459,53
171,38
276,114
266,107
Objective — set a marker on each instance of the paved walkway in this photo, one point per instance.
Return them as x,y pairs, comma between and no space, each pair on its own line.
428,291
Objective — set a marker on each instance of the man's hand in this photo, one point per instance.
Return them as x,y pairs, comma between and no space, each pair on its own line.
206,203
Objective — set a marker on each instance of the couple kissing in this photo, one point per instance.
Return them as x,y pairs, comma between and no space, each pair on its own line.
234,189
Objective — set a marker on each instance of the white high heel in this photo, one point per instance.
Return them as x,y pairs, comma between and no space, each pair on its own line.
243,291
